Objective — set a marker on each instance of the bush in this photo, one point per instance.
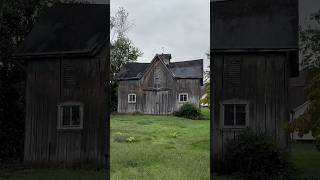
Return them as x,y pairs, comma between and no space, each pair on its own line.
318,143
255,156
189,111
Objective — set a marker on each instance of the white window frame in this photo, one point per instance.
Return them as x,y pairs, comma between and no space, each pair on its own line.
135,98
234,102
180,94
60,115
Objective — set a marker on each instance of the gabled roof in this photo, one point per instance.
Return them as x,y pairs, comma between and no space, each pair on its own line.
254,24
132,71
187,69
182,70
67,29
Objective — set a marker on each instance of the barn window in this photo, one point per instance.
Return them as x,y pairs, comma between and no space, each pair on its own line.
70,115
157,77
235,114
132,98
183,97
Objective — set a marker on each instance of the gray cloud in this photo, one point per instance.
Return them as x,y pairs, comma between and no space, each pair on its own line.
182,27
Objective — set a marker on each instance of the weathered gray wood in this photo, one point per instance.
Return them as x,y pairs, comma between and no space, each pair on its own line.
162,100
45,89
264,83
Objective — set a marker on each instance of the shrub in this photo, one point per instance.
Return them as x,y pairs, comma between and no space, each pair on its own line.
120,137
255,156
190,111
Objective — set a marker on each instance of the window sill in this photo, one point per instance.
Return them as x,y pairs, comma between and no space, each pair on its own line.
183,102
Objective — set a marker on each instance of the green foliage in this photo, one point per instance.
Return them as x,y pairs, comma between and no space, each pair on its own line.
131,139
122,49
206,99
120,137
310,120
310,50
122,52
256,156
310,42
16,21
189,111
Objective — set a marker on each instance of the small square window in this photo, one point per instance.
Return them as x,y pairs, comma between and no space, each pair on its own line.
70,116
183,97
132,98
235,115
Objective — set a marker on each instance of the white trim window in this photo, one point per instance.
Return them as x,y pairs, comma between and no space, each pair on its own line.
183,97
235,114
70,115
132,98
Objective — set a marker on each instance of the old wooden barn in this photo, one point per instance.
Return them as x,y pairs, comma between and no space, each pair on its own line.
254,52
66,115
160,87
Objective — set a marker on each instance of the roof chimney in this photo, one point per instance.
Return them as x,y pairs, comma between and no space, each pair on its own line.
165,58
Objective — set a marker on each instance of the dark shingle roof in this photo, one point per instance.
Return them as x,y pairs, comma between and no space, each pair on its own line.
132,71
68,29
187,69
254,24
184,69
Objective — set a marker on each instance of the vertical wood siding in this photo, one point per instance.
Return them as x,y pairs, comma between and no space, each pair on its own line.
45,89
264,83
162,100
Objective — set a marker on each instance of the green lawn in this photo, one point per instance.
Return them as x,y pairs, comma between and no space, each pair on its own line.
164,147
306,159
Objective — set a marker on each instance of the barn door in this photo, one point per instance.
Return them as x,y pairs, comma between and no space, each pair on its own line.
162,103
158,102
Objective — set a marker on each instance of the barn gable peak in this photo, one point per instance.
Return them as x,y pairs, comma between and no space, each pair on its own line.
165,58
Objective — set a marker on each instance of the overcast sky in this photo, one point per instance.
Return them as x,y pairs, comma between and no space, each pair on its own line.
180,26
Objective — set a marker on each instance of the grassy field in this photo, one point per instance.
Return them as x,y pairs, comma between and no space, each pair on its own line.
306,159
162,147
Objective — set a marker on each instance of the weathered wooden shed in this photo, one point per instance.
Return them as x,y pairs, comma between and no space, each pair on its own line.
160,87
254,52
67,55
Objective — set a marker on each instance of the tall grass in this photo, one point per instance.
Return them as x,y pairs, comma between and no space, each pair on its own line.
166,147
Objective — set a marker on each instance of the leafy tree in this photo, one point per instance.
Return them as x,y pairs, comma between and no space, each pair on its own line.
206,99
310,49
122,50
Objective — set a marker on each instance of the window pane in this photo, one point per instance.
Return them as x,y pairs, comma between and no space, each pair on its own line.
133,98
75,116
181,97
66,116
240,115
229,115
